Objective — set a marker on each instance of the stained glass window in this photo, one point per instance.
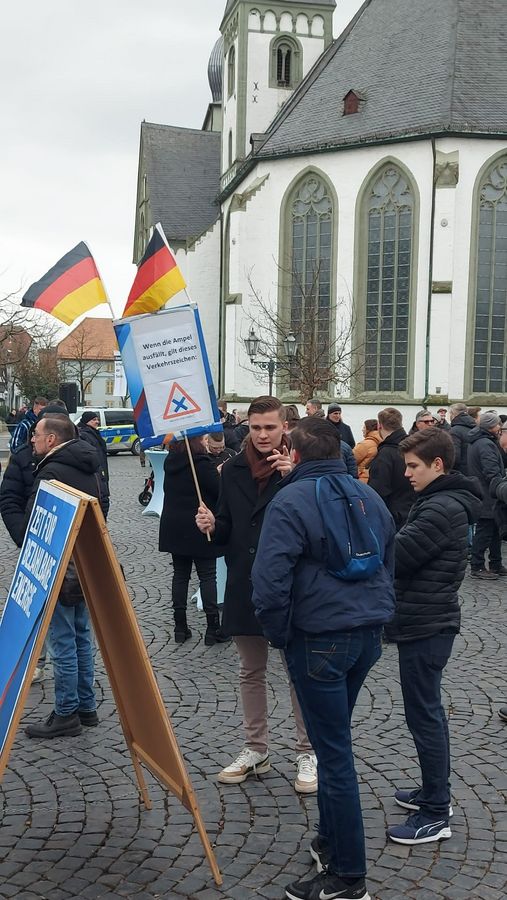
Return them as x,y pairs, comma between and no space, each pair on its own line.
390,212
490,334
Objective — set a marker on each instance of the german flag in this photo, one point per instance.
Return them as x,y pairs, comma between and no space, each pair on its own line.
70,288
158,278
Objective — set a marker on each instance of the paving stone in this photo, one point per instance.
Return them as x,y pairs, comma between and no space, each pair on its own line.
72,826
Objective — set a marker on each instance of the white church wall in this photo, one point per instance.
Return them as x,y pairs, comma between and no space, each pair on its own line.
203,272
229,111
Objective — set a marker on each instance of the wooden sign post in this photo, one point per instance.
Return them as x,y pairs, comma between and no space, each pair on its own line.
145,722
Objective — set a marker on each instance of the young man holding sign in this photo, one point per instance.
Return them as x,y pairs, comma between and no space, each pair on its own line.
249,482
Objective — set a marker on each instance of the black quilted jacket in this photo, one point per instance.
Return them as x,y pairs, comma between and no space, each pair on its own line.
431,556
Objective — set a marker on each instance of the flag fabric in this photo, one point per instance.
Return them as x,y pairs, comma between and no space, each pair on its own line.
158,278
70,288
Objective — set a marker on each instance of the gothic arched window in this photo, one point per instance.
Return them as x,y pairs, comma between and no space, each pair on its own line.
231,72
310,213
490,326
388,217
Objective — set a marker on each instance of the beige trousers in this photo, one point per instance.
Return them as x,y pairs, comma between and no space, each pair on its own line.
253,655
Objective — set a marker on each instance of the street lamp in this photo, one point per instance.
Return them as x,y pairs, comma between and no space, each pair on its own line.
270,365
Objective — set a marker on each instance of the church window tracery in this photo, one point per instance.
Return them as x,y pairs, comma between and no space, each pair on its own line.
490,326
286,62
389,205
231,72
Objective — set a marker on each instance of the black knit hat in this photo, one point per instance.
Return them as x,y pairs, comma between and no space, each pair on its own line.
88,416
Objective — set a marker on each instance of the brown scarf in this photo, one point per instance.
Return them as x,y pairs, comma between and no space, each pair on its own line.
260,468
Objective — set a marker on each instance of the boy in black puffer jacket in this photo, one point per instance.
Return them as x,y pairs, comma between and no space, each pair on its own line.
430,561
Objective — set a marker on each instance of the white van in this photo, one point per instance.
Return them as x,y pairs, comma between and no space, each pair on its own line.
116,427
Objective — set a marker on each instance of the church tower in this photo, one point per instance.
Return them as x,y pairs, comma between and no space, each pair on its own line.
269,46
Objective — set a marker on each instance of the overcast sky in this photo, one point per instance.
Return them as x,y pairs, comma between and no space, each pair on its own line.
77,80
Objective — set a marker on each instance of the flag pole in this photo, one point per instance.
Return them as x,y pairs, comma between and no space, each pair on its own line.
194,474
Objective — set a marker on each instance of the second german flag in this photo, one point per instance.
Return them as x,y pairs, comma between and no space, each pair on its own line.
158,278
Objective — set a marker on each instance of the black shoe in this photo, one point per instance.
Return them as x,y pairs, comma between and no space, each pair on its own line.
182,634
328,886
213,634
503,713
485,574
501,571
319,853
56,726
89,718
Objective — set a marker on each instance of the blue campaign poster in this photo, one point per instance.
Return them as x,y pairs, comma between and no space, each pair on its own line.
39,563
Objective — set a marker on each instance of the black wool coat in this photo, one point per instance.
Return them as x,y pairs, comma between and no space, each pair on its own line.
178,532
461,428
15,491
91,436
485,463
74,463
431,557
239,519
387,478
345,432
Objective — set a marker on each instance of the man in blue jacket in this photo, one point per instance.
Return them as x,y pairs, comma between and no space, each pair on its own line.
331,632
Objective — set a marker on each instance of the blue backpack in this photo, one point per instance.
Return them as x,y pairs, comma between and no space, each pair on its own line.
352,550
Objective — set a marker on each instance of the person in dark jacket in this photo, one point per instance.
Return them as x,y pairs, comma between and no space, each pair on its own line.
217,450
331,632
248,484
485,463
21,434
441,419
387,469
62,457
431,556
87,427
461,427
179,535
334,416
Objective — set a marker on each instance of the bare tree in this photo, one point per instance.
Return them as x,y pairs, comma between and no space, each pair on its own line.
80,362
23,333
326,337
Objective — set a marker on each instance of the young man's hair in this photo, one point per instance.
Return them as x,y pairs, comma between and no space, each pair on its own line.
60,425
429,444
316,439
216,437
473,411
314,402
40,401
222,404
370,425
456,409
390,418
266,405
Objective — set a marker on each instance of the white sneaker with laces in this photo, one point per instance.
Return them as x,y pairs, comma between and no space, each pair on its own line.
306,780
249,762
39,675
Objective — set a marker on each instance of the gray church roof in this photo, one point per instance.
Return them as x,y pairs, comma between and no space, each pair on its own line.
419,67
215,70
183,170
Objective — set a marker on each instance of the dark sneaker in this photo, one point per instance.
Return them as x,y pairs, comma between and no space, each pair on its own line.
319,853
409,800
485,574
419,830
503,713
501,571
88,717
56,726
327,887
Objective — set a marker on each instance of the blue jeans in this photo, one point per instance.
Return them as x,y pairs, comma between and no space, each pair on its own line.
71,649
421,666
328,671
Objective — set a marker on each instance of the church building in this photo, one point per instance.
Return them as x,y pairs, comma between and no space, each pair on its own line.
344,205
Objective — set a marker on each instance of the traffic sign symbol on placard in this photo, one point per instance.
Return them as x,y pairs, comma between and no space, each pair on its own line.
180,403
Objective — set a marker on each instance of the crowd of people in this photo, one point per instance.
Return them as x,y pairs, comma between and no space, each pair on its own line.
332,547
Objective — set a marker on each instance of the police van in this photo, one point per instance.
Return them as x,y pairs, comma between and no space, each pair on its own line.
116,427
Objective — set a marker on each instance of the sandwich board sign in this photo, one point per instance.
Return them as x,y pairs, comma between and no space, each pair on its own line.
64,523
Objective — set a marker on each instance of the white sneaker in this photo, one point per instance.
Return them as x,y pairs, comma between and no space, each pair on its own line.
39,675
306,780
249,762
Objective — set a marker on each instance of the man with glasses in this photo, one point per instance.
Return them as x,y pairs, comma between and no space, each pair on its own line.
423,420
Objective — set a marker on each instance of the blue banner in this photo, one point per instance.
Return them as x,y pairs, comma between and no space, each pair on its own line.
38,565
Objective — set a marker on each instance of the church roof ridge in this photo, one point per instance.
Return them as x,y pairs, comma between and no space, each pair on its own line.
424,68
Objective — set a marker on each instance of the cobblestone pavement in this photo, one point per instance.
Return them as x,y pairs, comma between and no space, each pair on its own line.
72,825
